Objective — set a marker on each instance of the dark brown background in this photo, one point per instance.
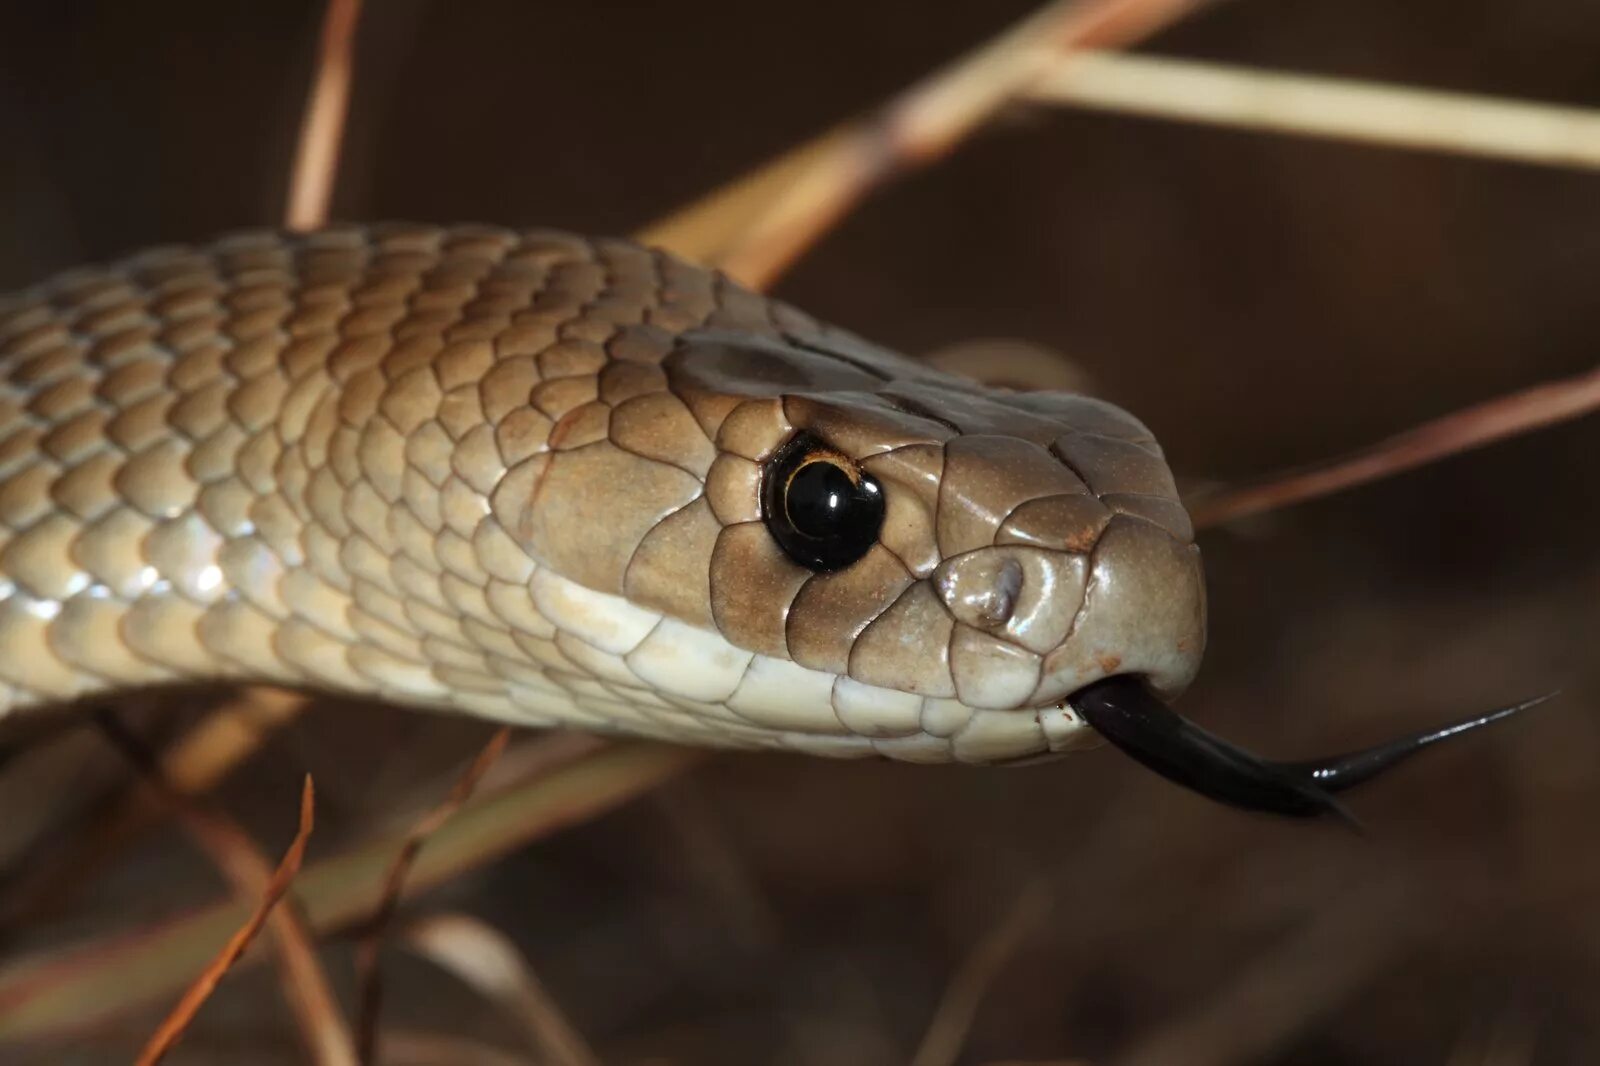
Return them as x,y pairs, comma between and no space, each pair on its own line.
1258,300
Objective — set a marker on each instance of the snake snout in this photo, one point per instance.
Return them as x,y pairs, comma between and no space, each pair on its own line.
1035,624
1142,614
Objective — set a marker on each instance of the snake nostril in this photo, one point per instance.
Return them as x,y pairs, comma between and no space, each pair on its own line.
983,596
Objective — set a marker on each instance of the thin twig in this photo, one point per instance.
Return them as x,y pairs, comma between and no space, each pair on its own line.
755,227
316,157
531,759
177,1022
1505,416
305,984
481,956
370,948
65,990
952,1018
1370,112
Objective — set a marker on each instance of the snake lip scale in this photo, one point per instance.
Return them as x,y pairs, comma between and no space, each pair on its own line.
561,481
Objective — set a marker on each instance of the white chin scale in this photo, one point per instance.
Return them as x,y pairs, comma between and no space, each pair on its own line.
606,665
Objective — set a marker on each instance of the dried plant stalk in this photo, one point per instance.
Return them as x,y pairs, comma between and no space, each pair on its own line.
239,858
1370,112
316,158
177,1022
481,956
758,225
369,950
65,990
1506,416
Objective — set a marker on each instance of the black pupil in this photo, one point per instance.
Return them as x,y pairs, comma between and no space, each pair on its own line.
822,500
822,512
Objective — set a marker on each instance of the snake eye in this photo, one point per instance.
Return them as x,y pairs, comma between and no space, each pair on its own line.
822,509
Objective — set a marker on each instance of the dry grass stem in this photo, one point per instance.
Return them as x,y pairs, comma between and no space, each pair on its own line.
1505,416
305,984
1370,112
177,1022
482,957
65,990
202,757
370,949
531,756
755,227
316,157
952,1018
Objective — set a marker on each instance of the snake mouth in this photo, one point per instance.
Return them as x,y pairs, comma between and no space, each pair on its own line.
1126,713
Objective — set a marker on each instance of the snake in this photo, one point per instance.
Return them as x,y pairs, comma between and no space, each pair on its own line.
557,481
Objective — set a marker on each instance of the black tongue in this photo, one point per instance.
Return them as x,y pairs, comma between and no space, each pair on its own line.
1123,711
1340,772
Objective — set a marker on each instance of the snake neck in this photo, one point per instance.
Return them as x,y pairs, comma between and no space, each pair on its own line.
289,460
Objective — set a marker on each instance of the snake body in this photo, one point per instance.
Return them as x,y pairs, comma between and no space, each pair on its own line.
519,475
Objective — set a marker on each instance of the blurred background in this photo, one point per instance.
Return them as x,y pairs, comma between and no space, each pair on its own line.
1259,300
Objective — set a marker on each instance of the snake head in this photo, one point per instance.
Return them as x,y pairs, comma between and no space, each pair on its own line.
761,532
987,576
990,553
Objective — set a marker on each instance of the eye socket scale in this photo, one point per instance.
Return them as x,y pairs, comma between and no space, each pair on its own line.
823,510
